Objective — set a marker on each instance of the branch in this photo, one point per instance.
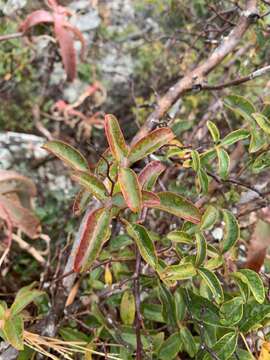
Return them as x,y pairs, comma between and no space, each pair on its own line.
189,80
255,74
11,36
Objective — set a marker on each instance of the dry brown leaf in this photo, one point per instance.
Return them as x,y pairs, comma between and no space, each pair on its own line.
259,242
20,217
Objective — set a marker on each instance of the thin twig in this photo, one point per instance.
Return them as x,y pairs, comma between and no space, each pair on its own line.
255,74
11,36
235,182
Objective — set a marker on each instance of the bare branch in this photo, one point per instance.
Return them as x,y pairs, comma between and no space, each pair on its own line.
11,36
195,76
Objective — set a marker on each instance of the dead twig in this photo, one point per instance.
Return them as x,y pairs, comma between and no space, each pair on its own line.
194,77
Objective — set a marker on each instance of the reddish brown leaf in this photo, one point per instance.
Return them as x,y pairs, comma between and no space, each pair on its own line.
258,245
115,138
130,189
65,39
80,202
63,32
11,182
93,233
150,199
150,173
20,217
150,143
77,33
35,18
5,216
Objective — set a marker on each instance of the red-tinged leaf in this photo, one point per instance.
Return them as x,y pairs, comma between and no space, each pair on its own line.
66,43
150,143
130,188
93,233
149,174
92,184
81,201
150,199
115,138
178,206
20,217
35,18
68,154
77,33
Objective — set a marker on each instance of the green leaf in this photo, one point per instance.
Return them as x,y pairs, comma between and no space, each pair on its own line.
201,247
266,109
157,341
91,184
178,206
232,231
179,272
196,163
171,347
70,156
257,140
168,305
149,174
144,243
3,308
13,331
203,181
201,308
231,311
263,122
207,156
130,188
209,217
235,136
153,312
223,162
213,283
93,233
225,347
180,306
213,131
253,281
127,308
214,263
261,163
69,334
253,316
243,288
149,144
23,298
115,138
188,341
241,106
180,237
241,355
